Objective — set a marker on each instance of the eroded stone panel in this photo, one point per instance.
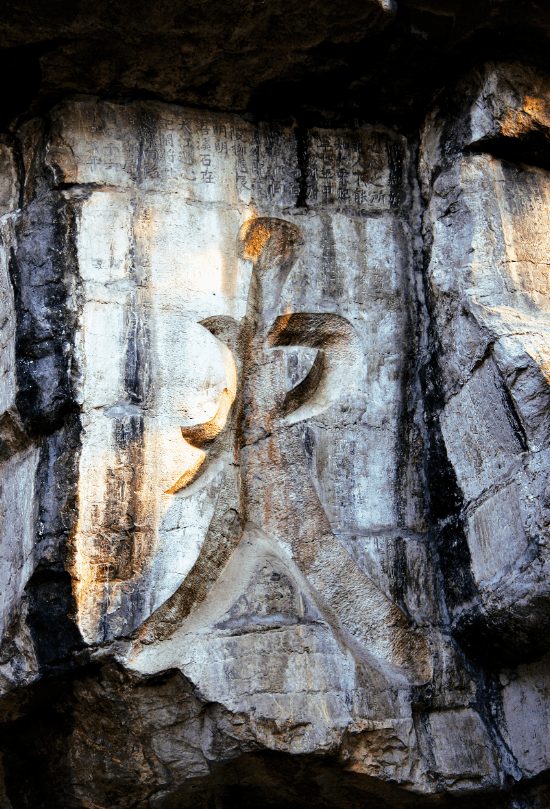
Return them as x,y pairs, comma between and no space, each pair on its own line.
488,277
249,470
525,703
166,191
18,534
238,341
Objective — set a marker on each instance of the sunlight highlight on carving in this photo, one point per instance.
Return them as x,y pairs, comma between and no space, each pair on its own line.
195,459
199,434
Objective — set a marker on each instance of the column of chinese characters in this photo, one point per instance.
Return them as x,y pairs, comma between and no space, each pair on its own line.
359,192
187,151
274,180
166,144
239,149
326,171
93,158
343,172
395,164
220,143
92,123
258,184
114,159
205,155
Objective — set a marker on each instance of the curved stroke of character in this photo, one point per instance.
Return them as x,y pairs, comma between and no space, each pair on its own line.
266,486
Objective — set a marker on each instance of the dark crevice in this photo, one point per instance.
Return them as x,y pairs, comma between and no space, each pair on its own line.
531,149
445,499
512,413
22,76
55,636
45,252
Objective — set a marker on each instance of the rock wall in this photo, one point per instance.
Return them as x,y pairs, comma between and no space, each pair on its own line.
274,454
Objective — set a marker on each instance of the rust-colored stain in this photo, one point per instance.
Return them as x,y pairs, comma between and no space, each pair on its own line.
253,237
532,115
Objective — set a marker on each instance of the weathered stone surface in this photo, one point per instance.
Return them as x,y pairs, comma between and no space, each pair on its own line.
275,500
331,63
488,288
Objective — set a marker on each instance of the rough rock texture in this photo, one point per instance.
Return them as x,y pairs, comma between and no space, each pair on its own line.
488,219
274,424
330,61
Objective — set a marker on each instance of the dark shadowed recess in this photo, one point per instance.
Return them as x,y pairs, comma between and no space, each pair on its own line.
58,751
532,149
20,67
319,63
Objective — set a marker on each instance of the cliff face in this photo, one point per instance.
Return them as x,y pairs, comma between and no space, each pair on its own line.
274,449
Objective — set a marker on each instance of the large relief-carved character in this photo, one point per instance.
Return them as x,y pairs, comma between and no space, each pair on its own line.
266,496
161,509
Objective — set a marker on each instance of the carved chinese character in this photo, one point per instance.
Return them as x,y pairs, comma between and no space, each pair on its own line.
254,431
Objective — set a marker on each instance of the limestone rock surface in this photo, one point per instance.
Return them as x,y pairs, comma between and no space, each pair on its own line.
274,446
